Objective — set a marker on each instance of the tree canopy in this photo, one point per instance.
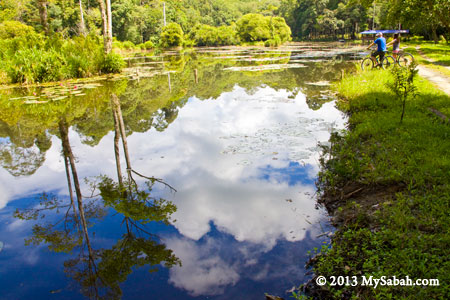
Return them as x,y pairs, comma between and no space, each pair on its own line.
200,20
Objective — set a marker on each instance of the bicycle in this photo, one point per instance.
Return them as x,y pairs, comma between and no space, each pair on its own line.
387,62
404,59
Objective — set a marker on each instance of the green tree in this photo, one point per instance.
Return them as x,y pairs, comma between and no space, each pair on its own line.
253,27
172,35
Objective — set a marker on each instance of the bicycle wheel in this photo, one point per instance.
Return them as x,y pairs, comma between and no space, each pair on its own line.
367,64
387,62
405,59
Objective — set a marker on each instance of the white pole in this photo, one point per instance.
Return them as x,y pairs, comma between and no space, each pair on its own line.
164,9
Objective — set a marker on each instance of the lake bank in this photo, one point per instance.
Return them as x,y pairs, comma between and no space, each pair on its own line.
386,185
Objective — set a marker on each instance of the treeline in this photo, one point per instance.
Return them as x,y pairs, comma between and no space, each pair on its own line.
135,21
143,21
314,19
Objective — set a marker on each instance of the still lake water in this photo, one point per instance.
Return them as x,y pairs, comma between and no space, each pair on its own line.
234,131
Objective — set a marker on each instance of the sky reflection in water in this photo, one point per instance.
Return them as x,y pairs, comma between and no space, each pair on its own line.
244,166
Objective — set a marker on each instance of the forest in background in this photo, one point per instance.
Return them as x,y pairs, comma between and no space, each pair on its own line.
52,40
142,21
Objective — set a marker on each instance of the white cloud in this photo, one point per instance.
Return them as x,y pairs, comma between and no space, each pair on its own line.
201,273
3,196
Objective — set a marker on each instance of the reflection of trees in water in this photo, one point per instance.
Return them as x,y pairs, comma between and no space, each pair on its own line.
22,150
99,272
148,102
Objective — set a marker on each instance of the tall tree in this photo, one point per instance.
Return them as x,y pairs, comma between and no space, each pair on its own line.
43,15
105,12
82,24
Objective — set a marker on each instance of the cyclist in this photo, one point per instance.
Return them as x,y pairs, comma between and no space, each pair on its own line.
395,45
381,50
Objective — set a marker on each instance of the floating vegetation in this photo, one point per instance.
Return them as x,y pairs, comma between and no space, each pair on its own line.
34,102
264,141
319,83
256,59
265,67
57,93
59,98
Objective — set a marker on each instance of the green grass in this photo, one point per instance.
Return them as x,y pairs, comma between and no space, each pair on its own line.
398,224
440,53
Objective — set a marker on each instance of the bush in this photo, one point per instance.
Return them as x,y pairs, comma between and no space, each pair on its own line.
83,55
253,27
35,65
205,35
280,29
148,45
275,42
12,29
37,58
172,35
227,35
256,27
128,45
112,63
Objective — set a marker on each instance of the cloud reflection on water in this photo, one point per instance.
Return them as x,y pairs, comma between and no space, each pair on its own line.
231,160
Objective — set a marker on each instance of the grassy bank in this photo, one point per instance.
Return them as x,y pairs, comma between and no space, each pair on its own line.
388,187
437,56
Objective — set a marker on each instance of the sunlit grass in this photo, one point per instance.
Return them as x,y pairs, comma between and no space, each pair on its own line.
403,232
440,53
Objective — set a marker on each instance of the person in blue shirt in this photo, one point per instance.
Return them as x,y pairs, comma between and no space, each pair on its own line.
381,47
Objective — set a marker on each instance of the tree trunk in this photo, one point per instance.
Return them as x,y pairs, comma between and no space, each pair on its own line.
434,34
64,132
122,133
109,17
44,15
82,25
69,184
107,44
116,142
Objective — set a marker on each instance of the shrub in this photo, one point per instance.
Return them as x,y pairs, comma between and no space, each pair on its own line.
83,55
112,63
253,27
12,29
117,44
280,29
226,35
403,85
256,27
205,35
172,35
35,65
148,45
36,58
275,42
128,45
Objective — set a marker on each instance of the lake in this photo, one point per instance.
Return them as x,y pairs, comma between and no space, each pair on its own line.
216,197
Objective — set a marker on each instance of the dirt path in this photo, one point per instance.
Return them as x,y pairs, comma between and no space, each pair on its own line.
440,80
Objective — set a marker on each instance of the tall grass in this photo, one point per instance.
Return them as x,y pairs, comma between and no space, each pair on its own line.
36,58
